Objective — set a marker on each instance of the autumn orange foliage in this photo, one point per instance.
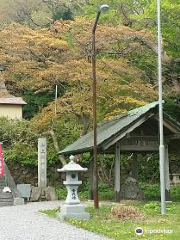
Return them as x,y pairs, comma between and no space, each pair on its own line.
39,59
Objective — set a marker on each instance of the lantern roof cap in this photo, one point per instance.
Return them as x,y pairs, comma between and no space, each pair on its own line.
72,166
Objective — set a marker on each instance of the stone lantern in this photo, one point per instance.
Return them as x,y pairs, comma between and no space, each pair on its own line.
72,207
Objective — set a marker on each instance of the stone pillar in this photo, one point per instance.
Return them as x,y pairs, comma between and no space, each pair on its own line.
117,173
167,179
42,163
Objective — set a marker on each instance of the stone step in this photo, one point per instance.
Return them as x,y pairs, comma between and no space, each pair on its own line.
1,189
2,184
6,199
5,195
3,204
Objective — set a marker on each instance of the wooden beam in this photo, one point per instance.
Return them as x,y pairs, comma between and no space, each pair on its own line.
117,173
138,148
173,128
173,136
150,137
123,134
140,137
145,137
170,126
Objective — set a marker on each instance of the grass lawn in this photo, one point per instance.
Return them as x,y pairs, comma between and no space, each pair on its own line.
104,222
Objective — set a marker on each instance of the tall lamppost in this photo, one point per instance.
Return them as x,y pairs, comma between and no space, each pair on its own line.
161,134
103,9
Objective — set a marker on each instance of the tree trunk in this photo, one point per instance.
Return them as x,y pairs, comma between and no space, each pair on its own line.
56,146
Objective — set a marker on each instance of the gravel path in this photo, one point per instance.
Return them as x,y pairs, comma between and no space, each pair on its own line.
26,223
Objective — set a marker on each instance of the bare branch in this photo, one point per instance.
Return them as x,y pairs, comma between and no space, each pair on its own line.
56,146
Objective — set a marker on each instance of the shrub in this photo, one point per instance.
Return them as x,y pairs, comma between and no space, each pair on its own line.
105,192
126,212
175,193
152,192
61,193
152,207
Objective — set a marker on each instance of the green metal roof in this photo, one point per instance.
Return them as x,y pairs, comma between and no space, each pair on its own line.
107,130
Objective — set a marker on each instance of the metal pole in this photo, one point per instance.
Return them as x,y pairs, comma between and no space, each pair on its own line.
161,135
55,101
95,172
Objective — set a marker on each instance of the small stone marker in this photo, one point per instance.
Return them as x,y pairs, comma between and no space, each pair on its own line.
72,207
25,190
42,164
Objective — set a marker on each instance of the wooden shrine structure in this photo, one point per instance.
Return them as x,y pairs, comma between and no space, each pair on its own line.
132,132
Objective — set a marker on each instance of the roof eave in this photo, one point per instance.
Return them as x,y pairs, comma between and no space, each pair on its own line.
21,104
76,151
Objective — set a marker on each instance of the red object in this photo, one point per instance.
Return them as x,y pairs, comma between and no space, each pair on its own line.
1,162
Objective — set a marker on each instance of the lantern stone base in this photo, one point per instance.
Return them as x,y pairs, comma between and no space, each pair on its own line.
74,212
18,201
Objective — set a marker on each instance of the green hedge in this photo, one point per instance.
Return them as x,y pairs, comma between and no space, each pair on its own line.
152,192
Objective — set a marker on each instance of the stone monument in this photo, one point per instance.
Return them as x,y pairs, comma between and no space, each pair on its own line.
72,207
42,164
131,190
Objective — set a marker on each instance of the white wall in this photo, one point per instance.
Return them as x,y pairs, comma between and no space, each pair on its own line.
11,111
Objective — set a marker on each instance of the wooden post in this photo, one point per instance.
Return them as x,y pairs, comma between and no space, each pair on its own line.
117,173
91,164
167,180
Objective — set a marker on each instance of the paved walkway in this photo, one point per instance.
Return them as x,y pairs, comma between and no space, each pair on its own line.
26,223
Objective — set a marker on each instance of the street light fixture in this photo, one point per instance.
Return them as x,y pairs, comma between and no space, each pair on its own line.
161,134
103,9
